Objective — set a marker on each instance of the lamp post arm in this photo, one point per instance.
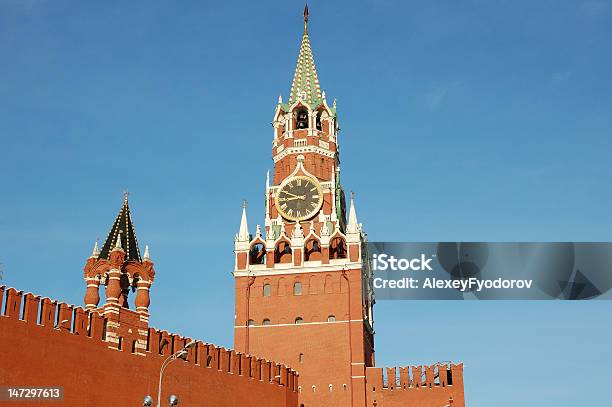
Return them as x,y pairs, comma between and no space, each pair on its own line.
169,360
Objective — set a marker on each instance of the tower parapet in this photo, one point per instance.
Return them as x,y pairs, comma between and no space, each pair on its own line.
432,385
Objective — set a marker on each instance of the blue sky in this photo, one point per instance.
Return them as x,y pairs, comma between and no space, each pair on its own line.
461,120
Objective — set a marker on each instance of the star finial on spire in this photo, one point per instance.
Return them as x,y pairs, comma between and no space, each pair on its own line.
306,19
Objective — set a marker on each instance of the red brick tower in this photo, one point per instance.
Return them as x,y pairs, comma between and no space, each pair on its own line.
119,267
303,292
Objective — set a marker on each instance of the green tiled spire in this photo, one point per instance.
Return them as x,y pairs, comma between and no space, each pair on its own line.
306,81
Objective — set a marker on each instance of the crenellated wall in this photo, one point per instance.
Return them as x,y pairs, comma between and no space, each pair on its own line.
438,385
50,343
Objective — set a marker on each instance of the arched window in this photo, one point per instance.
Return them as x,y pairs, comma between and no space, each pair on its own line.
301,358
267,290
135,281
313,285
337,248
329,285
251,322
312,250
282,252
331,318
297,288
266,322
299,320
257,254
318,122
301,119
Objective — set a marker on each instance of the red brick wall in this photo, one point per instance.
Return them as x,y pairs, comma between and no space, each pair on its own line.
331,355
317,164
92,374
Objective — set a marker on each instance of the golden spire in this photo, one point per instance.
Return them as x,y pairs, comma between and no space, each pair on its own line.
306,19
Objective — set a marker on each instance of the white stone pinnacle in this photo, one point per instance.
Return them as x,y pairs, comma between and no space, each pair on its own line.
297,231
353,225
96,251
243,232
118,242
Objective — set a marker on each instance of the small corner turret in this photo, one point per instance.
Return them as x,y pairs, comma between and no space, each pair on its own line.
119,267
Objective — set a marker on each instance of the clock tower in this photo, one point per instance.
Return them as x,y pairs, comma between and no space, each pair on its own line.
303,285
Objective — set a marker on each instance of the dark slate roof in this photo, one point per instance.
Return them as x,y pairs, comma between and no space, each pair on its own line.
129,243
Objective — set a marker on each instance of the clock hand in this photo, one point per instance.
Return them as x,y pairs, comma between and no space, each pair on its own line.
290,194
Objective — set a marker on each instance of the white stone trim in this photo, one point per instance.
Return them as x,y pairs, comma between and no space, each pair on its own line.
289,268
301,150
300,324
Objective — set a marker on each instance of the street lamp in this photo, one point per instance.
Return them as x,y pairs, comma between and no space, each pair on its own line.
181,354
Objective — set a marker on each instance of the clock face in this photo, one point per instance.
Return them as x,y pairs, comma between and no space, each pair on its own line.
299,198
